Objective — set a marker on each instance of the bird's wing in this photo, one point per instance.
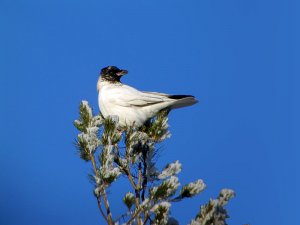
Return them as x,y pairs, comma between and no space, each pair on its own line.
156,93
127,96
177,101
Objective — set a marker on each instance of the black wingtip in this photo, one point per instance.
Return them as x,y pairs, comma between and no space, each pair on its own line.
180,96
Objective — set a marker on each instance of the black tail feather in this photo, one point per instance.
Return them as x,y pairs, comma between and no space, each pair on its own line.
180,96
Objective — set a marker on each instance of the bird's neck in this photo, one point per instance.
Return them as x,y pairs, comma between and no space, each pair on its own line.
110,78
103,81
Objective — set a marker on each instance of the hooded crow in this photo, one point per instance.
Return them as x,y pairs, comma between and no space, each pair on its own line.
131,106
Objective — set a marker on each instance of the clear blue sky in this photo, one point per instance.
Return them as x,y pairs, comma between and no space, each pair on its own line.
240,58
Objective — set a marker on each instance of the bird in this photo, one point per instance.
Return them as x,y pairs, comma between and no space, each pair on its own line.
129,105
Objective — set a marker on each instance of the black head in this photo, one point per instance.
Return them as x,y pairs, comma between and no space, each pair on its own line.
112,73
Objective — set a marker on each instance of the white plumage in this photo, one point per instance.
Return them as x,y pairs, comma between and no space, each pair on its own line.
131,106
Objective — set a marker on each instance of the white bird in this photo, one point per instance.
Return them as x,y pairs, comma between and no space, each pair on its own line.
131,106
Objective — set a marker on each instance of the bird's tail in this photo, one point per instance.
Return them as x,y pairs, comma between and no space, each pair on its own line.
182,101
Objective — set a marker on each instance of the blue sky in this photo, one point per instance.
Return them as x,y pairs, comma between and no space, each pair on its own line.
239,58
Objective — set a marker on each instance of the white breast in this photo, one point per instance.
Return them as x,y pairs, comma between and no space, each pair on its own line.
111,103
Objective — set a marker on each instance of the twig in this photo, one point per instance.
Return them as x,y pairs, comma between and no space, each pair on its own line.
117,150
145,180
109,217
123,216
140,176
136,188
100,208
94,163
147,217
108,212
134,216
131,179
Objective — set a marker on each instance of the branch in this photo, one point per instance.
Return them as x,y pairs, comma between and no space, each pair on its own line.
109,217
144,185
101,211
145,180
136,188
140,177
137,212
147,217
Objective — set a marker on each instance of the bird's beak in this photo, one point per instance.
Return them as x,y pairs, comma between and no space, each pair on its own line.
122,72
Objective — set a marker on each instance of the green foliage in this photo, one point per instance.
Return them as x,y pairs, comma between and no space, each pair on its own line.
166,189
214,212
82,149
114,150
161,212
192,189
129,200
157,127
87,141
85,116
110,133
